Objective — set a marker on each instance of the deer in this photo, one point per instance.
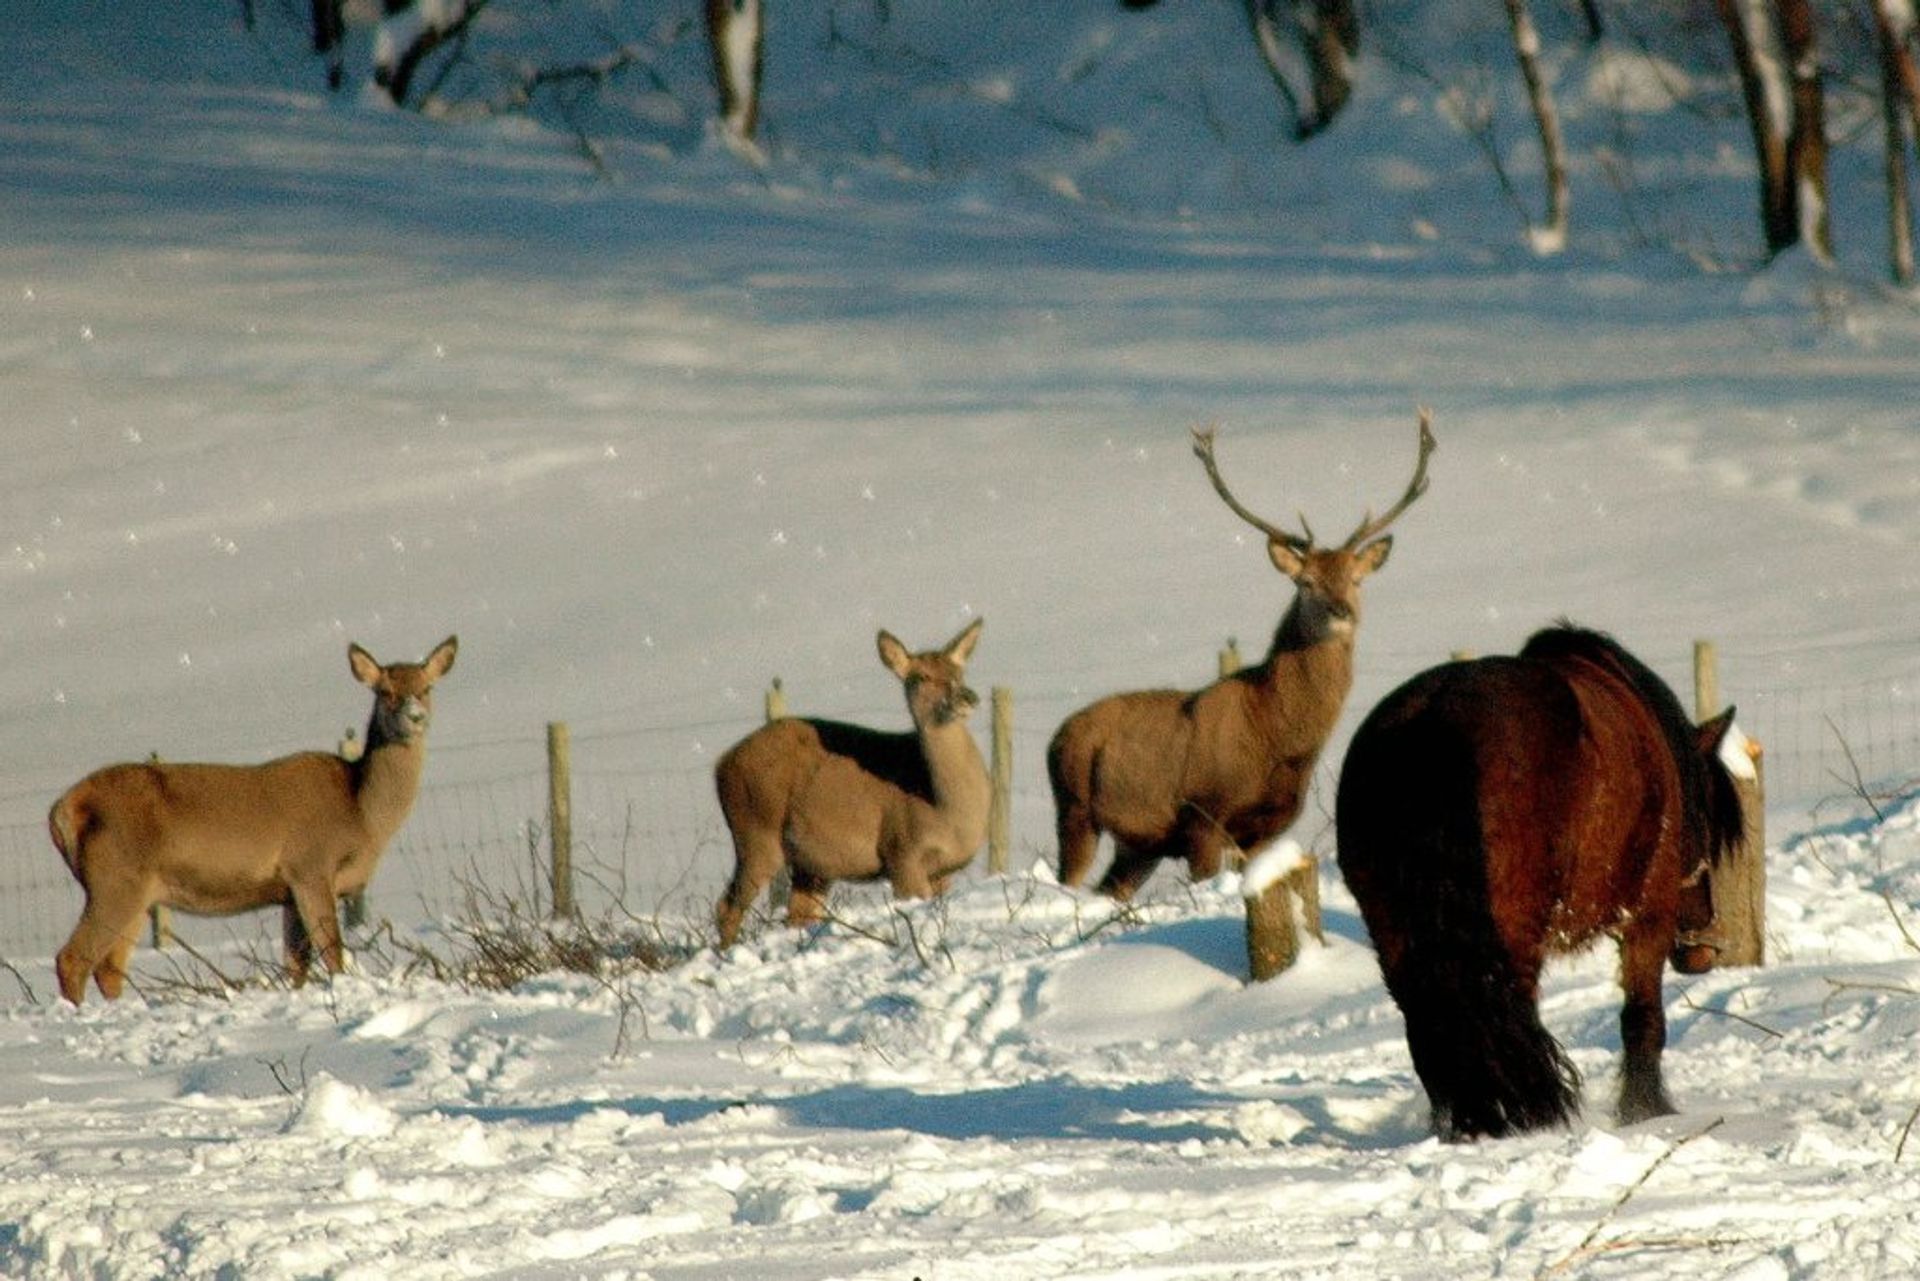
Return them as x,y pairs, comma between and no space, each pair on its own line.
837,802
1193,774
300,831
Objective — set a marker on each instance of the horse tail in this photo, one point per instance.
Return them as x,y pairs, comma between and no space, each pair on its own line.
1412,850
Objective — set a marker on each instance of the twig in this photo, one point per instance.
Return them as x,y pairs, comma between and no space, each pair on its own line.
1686,998
1858,784
278,1069
20,978
1586,1246
1901,1147
913,937
1123,914
1651,1243
861,931
1899,924
1843,985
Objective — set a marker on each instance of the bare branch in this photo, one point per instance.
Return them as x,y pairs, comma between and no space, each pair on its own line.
1857,784
1686,999
1586,1248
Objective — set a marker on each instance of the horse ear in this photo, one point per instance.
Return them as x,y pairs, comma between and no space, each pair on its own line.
1710,732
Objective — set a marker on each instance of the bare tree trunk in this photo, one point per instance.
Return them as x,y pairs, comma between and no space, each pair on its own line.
408,37
1331,32
1763,83
1807,143
1596,25
1326,34
736,32
1895,27
329,34
1551,238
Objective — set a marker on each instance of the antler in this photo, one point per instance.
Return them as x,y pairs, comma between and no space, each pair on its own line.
1371,528
1203,449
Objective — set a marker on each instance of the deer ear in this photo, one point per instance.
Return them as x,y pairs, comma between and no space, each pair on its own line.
1286,559
365,669
896,656
440,662
1372,556
960,648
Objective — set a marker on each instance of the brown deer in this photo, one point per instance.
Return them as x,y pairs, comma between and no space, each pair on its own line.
838,802
1178,774
300,831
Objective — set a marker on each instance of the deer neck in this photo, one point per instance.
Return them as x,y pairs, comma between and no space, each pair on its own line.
961,790
1303,681
1309,624
387,777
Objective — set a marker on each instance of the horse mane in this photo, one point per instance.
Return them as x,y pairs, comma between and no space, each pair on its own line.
1709,804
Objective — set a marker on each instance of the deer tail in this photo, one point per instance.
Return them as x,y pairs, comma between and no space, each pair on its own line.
67,823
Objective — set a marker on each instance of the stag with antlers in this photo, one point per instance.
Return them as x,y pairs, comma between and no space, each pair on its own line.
1180,774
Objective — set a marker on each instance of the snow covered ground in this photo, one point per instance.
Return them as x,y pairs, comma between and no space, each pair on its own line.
285,371
1006,1089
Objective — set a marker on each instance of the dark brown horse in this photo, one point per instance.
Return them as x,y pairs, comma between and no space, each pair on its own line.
1491,812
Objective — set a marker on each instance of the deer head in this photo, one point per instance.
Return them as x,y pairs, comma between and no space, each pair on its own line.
1327,578
937,692
403,692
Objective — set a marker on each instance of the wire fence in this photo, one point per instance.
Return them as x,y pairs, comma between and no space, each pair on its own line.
649,841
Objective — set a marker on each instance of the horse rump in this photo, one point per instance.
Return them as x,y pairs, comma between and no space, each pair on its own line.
1411,849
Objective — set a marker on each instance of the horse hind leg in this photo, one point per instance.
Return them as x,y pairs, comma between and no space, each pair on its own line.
1643,1027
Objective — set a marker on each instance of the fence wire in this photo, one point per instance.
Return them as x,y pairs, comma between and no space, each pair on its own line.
649,841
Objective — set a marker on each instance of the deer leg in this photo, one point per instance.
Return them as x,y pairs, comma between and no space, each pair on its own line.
110,976
1131,868
109,917
1079,839
909,875
807,899
314,903
296,944
1206,845
1643,1024
757,856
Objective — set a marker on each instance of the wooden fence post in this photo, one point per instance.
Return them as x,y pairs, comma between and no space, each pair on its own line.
353,907
1739,885
160,923
1273,945
560,815
780,893
1273,941
159,916
1000,811
1706,680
